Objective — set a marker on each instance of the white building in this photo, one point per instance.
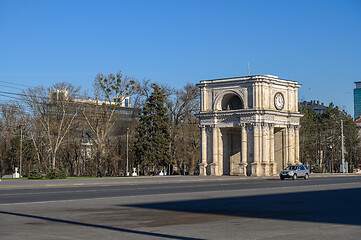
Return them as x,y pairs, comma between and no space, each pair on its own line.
249,125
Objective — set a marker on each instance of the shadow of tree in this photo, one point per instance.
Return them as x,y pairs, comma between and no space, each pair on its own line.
160,235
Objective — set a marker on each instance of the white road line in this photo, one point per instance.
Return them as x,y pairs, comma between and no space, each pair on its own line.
304,188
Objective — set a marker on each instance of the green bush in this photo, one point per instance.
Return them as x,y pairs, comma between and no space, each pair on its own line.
57,174
317,169
35,174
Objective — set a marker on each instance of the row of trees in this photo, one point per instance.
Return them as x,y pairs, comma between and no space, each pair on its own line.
320,139
60,128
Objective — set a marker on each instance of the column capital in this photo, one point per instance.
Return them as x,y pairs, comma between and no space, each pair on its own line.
243,124
291,129
265,126
257,124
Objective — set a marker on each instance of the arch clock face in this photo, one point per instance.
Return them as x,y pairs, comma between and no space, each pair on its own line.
279,101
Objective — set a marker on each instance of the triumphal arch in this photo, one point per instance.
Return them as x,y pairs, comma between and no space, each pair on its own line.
249,125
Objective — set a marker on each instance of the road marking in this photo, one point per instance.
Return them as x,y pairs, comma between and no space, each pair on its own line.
167,180
116,183
299,189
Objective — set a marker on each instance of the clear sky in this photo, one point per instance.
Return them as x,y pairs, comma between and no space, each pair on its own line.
317,43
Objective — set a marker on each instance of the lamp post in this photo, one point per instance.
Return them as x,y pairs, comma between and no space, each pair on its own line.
127,152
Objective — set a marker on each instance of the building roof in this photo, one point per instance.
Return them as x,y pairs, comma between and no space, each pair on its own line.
315,105
249,79
358,84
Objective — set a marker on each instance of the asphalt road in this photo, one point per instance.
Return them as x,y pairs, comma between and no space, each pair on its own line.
181,208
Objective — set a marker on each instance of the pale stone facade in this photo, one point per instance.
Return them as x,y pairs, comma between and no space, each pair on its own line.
249,125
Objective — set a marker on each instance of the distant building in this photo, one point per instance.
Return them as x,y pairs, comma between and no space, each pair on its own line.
58,95
315,105
123,114
357,100
122,103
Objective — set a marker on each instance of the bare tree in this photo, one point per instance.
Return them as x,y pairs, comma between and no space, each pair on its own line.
185,132
10,124
52,114
100,114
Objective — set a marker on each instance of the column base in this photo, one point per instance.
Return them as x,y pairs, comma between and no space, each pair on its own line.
274,169
214,169
266,169
256,169
202,169
243,169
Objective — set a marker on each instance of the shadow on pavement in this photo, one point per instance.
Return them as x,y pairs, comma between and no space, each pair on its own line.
146,234
330,206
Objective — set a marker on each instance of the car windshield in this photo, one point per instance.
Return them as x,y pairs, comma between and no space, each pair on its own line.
291,168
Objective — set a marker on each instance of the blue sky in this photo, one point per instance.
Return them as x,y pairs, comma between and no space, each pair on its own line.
317,43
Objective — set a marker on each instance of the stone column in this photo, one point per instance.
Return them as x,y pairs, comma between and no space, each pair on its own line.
219,152
256,151
273,164
288,99
203,99
203,164
254,95
259,97
291,145
295,99
214,164
265,150
243,164
297,144
285,147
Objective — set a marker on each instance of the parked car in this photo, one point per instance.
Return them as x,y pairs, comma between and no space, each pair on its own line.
295,171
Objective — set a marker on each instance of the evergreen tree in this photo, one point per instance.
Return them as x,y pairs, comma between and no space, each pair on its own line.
151,147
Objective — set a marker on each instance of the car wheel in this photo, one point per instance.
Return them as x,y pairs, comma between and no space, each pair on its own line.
306,176
294,177
282,178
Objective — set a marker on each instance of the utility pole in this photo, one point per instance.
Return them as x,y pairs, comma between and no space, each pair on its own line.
127,152
21,147
344,166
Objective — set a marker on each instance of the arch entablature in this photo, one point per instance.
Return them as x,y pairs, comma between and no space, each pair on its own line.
231,99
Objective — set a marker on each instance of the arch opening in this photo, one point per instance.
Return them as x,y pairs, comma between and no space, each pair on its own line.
231,102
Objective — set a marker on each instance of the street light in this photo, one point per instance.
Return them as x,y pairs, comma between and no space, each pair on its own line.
127,151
